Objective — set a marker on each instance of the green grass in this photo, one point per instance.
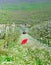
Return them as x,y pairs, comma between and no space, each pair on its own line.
34,15
42,32
26,6
1,42
17,54
21,16
25,13
25,57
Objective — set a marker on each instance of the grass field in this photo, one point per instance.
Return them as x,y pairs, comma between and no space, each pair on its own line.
34,16
26,6
37,51
25,12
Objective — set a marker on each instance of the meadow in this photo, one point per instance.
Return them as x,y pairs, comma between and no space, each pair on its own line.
38,19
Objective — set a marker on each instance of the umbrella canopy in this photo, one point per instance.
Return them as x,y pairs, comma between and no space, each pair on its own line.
24,41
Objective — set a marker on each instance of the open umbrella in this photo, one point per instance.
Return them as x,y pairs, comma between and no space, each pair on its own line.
24,41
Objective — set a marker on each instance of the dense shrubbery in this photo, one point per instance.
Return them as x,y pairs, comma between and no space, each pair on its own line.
42,33
9,35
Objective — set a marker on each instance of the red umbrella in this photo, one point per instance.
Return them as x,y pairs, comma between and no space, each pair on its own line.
24,41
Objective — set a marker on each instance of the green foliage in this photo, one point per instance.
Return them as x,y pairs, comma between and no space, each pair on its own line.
1,42
5,58
8,58
42,33
11,36
22,55
19,54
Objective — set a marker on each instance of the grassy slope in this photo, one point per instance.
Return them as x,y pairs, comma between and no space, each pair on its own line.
34,16
26,6
20,54
25,12
26,54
